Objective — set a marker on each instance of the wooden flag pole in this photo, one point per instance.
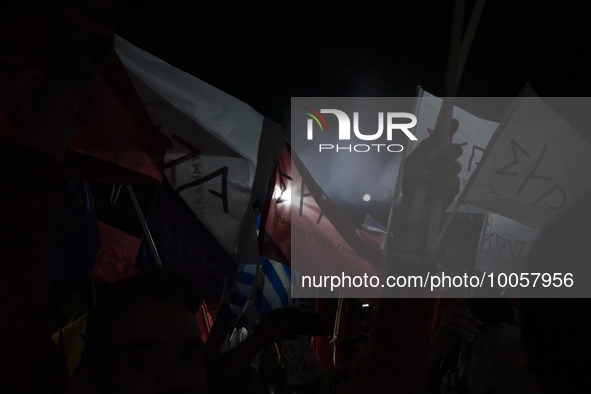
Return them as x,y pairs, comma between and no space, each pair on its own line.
207,325
451,77
147,233
278,353
255,286
442,126
446,225
398,183
458,54
469,37
464,51
335,332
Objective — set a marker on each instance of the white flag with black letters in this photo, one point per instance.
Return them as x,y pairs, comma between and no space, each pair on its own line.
223,150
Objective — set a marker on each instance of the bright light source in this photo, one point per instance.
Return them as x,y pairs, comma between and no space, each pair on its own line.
365,306
366,197
282,194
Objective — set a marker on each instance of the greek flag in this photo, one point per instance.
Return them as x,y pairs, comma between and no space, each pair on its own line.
273,291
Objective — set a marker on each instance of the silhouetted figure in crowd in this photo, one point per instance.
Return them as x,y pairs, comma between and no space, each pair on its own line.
556,330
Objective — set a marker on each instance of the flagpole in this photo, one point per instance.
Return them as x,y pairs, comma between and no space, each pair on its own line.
446,225
469,37
444,118
278,352
443,124
464,51
205,316
255,286
147,233
398,183
337,325
458,54
480,245
434,236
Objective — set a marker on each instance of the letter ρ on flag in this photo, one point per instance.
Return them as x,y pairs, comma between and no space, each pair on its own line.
535,165
504,244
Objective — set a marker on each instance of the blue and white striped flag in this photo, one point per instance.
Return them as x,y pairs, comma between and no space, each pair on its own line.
273,291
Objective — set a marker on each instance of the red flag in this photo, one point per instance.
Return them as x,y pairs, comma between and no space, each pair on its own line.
310,233
204,320
115,260
111,125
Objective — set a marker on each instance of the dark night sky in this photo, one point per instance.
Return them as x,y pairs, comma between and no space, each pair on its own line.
266,54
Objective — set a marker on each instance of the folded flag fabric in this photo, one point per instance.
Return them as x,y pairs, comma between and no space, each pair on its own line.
534,166
303,228
113,140
373,225
112,125
76,240
73,344
115,260
473,134
272,291
504,245
184,244
223,150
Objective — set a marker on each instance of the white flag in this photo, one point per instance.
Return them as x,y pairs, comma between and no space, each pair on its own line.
223,150
473,133
535,165
504,245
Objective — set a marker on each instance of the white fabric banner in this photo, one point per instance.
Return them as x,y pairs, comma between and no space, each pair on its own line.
473,134
504,245
216,164
302,365
535,165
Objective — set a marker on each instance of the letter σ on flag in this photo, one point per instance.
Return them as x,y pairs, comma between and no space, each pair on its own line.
223,150
302,227
535,165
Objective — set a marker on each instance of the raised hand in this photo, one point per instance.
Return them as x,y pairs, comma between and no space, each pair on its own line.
439,173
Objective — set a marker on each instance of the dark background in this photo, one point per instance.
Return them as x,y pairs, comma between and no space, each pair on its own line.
265,54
